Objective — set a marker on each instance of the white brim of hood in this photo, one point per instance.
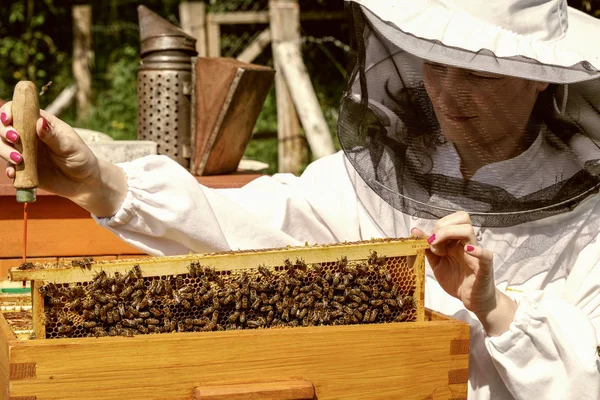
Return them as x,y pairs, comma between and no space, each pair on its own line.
428,29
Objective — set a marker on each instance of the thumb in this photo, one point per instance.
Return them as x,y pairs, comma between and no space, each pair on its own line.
60,138
47,134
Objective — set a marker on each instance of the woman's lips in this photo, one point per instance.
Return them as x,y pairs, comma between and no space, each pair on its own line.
459,118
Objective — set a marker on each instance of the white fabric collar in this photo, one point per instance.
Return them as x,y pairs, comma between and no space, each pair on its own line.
548,166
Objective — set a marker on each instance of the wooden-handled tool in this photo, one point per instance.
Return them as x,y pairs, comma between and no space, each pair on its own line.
26,112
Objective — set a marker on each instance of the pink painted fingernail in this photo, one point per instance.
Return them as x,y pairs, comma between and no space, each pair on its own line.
16,157
3,118
12,136
431,239
470,248
7,173
45,127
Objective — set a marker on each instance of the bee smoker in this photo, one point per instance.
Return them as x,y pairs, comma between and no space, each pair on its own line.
164,87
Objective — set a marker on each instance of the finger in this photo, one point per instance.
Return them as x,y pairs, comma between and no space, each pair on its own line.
6,113
464,232
7,132
56,134
480,253
457,218
432,258
416,232
9,153
10,170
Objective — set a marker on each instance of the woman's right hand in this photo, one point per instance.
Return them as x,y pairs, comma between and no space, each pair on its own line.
66,165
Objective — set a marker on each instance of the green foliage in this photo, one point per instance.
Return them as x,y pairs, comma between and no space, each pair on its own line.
115,105
27,51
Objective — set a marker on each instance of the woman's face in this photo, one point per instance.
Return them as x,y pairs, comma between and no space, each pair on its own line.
479,107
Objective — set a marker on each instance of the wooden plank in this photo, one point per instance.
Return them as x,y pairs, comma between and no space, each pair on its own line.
257,46
8,263
37,302
192,15
6,338
305,98
61,237
408,360
292,149
82,48
156,266
281,390
213,36
419,266
240,17
262,17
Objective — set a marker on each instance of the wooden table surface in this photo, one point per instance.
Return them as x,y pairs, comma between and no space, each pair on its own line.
58,228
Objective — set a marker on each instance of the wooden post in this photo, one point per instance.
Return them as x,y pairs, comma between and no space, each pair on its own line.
285,26
257,46
193,20
82,49
213,37
305,99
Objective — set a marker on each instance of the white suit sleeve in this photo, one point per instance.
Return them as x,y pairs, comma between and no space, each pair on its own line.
166,211
549,351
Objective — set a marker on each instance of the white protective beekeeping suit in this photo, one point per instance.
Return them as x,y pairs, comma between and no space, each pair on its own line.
432,77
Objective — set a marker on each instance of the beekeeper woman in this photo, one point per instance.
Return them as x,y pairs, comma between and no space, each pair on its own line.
472,123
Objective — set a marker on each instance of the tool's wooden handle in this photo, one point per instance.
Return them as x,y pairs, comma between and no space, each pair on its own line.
26,112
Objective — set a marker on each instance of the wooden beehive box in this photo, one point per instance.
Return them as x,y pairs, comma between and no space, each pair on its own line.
425,359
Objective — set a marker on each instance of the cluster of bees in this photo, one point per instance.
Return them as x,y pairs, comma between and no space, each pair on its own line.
206,300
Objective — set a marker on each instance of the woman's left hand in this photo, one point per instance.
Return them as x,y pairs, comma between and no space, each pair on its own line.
465,271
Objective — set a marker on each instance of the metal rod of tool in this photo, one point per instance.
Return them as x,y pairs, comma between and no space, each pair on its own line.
26,112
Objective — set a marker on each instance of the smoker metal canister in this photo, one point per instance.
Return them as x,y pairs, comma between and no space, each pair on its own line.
165,86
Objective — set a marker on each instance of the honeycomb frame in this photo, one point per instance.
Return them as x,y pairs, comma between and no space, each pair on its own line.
394,267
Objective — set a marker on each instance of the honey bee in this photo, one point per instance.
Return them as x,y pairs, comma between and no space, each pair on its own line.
374,314
264,271
127,291
386,310
192,268
355,298
242,317
343,263
99,332
180,326
197,298
367,316
137,271
45,88
234,317
84,263
155,311
65,329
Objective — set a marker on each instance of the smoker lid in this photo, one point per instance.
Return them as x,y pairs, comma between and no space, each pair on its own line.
158,34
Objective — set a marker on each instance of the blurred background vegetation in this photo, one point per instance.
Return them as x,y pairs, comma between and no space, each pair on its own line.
36,44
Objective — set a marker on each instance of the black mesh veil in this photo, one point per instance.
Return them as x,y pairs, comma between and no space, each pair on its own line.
434,130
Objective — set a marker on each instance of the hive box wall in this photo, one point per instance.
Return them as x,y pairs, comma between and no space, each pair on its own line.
398,360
